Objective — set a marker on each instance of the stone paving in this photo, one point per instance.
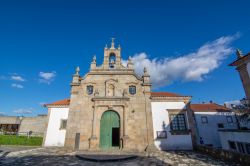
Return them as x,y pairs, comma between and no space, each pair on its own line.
58,156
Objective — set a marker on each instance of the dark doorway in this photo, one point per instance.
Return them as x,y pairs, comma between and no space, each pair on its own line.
115,136
77,141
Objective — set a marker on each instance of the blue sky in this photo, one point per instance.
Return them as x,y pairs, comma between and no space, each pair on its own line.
41,43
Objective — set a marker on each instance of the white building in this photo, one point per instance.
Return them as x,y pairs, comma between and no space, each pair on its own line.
235,140
172,121
210,118
56,127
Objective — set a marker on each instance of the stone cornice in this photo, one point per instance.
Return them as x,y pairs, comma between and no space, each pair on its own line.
110,98
75,84
146,84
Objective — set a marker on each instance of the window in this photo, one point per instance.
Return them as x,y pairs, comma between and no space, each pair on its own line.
248,148
132,90
240,147
112,59
178,122
220,125
204,119
90,89
63,124
232,145
229,119
161,134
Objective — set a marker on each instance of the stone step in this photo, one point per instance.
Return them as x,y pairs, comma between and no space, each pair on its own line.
105,158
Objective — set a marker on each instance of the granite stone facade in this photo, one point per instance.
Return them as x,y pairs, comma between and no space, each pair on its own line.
114,87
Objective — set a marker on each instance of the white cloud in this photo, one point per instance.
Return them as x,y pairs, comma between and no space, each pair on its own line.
194,66
23,111
17,78
19,86
47,77
230,103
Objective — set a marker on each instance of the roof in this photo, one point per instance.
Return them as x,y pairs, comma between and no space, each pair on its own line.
164,94
60,102
208,107
240,60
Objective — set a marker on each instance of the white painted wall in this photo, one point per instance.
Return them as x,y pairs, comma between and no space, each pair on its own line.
55,136
160,116
225,136
209,131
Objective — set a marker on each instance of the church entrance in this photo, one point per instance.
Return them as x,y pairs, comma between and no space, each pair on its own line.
110,130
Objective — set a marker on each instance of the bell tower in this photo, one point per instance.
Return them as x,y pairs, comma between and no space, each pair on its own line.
112,56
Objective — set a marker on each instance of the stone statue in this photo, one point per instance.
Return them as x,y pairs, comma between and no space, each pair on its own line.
239,53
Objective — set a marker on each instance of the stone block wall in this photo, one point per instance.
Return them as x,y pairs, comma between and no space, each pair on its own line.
226,155
35,124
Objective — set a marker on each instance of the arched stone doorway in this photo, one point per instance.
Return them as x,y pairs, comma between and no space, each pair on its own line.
110,130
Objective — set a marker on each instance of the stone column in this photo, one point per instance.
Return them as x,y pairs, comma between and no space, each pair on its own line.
125,137
93,139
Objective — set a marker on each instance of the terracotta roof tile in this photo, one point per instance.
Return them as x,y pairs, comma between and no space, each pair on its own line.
164,94
208,107
60,102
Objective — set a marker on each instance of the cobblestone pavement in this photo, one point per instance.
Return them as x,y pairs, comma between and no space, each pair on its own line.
57,156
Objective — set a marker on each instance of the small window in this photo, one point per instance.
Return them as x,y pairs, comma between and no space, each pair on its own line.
178,122
132,90
90,89
204,119
63,124
229,119
220,125
248,148
161,134
240,147
232,145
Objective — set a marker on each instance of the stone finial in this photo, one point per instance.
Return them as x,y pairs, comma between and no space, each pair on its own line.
94,59
119,47
112,42
145,70
77,70
129,58
239,53
106,46
130,63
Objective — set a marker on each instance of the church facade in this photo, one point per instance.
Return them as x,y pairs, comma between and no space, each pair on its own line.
111,107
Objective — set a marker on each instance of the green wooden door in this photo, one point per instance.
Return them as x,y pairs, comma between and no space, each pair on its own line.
109,120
